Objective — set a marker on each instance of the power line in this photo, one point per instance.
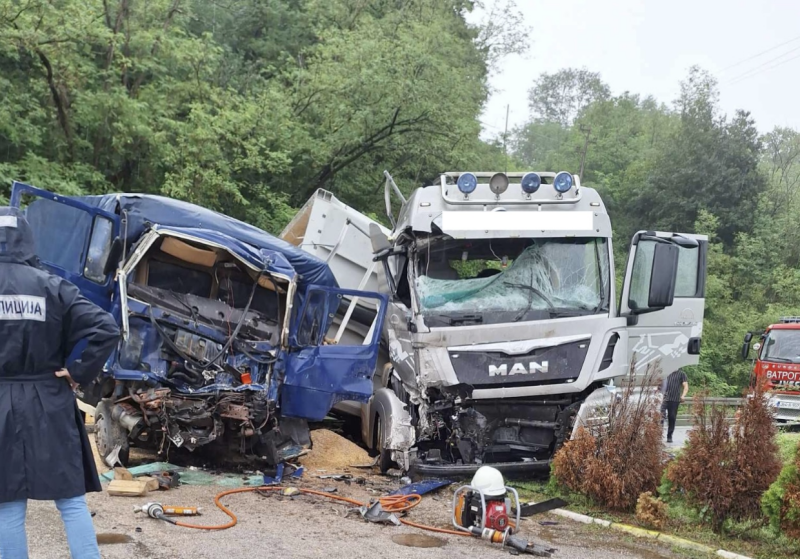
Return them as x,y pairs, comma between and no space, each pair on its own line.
759,54
491,125
755,69
761,70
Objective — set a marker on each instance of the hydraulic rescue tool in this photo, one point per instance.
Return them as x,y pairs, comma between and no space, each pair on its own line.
482,509
162,512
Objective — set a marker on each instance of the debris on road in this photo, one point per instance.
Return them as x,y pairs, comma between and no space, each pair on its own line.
297,473
127,488
152,483
422,487
170,476
332,452
375,513
122,474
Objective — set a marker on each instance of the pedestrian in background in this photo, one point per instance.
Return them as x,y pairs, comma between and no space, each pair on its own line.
675,389
43,443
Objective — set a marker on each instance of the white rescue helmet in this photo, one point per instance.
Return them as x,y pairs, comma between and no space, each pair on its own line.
489,481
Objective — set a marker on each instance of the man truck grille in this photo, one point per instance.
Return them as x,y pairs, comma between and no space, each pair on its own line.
546,365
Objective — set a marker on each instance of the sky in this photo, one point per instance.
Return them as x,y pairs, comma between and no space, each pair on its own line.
647,47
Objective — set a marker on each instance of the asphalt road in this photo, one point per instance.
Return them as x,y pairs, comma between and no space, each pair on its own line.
306,527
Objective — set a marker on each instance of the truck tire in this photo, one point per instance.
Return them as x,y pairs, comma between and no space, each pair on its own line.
385,461
109,434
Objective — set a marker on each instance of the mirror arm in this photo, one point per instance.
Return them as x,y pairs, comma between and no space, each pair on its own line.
387,196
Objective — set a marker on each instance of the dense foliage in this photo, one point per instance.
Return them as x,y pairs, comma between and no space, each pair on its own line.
781,503
243,106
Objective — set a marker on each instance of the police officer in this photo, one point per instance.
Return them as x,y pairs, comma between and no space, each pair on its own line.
44,447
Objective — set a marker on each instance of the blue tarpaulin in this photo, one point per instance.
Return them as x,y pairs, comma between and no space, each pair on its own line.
142,210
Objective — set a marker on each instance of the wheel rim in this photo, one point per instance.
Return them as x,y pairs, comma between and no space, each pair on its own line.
380,434
100,435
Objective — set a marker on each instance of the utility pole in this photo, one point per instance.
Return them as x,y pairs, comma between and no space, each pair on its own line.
505,138
588,130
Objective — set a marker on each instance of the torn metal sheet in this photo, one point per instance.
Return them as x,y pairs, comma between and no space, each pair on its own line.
375,513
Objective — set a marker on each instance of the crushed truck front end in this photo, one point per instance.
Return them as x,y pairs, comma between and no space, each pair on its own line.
504,318
218,318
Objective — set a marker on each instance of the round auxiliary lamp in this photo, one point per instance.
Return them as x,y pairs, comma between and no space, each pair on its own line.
467,183
563,182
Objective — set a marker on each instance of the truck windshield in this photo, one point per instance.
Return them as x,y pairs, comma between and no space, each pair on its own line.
510,280
782,346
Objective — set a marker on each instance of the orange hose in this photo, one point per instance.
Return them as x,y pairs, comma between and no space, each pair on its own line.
391,503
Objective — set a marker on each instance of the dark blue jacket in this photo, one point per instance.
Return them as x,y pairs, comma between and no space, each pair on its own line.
43,444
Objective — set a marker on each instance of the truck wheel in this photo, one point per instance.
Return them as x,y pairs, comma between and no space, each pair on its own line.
385,461
109,434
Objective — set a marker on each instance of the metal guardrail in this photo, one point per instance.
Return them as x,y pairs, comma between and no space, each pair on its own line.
722,401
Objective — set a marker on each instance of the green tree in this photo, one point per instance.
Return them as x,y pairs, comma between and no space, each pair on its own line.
561,96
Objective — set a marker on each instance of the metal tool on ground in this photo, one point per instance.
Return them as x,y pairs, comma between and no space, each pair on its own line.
530,509
154,510
482,509
161,512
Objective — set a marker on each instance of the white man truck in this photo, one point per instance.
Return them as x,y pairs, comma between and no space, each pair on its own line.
503,332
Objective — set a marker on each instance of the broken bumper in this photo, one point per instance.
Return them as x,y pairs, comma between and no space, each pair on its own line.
465,470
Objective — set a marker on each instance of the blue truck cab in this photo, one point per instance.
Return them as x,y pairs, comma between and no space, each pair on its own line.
226,330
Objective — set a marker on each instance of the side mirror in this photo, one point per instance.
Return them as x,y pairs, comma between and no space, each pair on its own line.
663,276
748,337
756,346
114,256
745,349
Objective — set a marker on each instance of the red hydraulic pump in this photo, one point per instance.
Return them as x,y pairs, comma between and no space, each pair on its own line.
483,509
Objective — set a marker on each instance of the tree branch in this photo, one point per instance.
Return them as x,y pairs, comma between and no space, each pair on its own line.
58,100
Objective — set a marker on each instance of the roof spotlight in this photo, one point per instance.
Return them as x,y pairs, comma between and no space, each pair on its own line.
530,182
563,182
498,183
467,183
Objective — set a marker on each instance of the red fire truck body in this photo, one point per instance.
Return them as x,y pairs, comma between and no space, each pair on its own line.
778,361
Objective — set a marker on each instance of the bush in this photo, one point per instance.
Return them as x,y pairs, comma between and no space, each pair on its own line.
615,463
781,503
724,472
651,512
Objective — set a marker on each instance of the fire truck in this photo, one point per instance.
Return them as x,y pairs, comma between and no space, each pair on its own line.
777,359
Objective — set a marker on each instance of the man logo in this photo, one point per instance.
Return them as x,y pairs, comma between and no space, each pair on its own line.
517,369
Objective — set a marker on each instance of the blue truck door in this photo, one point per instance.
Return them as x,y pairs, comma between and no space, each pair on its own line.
320,374
73,240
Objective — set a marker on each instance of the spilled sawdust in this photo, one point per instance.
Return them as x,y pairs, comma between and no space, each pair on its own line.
333,453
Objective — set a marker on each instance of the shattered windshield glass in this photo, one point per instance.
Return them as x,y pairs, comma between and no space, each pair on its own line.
511,280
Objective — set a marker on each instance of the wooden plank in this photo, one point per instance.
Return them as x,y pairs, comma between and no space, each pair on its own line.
123,474
127,488
152,483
